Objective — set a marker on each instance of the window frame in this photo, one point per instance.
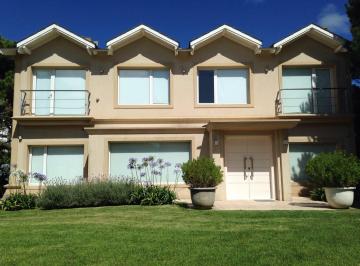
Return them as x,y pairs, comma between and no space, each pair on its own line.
52,88
45,154
216,104
118,104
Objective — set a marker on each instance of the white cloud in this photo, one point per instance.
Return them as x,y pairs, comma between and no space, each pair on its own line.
331,18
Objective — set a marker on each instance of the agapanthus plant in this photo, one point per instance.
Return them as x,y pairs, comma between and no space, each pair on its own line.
41,178
21,177
150,170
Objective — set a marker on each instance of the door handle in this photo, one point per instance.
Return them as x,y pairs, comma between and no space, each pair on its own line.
245,159
252,168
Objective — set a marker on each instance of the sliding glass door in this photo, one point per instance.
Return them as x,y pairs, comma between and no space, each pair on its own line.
306,90
59,92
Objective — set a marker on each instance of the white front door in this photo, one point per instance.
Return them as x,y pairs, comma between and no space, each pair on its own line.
249,167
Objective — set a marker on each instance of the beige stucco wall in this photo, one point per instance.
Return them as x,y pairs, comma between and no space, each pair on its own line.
102,74
101,81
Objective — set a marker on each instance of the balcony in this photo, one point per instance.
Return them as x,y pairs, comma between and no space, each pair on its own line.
324,101
54,103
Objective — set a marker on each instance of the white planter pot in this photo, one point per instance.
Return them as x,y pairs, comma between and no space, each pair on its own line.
340,197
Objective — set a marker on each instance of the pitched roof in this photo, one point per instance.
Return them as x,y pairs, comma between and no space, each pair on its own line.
48,34
322,35
228,32
139,32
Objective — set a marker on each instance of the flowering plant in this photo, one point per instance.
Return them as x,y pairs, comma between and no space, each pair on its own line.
21,177
152,171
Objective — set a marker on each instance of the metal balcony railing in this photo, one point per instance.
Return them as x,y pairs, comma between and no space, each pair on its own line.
55,102
313,101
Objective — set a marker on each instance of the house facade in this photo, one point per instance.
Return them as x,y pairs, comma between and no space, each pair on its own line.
261,113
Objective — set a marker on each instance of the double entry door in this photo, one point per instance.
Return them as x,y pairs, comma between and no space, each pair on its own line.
249,167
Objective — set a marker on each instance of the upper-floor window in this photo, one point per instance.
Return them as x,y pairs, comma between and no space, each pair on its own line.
143,87
223,86
307,90
59,92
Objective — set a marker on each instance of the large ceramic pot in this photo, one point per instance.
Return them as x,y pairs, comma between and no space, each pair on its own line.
203,198
340,197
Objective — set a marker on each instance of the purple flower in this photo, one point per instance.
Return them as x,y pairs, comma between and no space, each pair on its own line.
132,160
151,158
39,177
153,164
160,161
178,165
142,174
162,166
155,172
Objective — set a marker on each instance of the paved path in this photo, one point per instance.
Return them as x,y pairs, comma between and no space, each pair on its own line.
295,204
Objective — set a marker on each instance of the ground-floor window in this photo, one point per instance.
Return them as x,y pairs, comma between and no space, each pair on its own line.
171,152
57,162
301,153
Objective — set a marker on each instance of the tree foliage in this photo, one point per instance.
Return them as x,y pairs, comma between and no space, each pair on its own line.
6,103
353,11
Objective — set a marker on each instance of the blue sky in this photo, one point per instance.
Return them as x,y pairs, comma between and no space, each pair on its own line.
267,20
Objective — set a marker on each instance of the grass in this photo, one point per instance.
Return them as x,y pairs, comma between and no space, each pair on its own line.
171,235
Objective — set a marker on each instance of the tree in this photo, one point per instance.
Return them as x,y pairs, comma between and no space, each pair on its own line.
353,11
6,103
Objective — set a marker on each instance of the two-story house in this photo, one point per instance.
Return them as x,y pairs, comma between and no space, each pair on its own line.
261,113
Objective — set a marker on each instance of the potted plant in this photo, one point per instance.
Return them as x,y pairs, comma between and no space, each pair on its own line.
202,175
338,173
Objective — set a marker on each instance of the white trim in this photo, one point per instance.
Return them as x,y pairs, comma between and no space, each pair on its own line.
215,86
58,29
52,93
151,87
45,160
141,30
33,107
30,159
223,30
302,32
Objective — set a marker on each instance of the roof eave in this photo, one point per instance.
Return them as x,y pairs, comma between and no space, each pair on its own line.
333,39
139,32
25,45
229,32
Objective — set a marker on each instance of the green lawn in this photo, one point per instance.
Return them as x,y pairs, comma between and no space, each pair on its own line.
171,235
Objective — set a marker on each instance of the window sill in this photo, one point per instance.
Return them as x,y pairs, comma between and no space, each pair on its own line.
214,105
143,106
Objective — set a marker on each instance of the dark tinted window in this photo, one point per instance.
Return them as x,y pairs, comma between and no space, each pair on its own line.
206,86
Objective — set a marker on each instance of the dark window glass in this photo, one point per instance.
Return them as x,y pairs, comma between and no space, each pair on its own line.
206,86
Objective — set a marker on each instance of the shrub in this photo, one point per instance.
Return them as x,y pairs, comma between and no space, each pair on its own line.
334,169
18,201
86,194
152,195
202,172
318,194
103,193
